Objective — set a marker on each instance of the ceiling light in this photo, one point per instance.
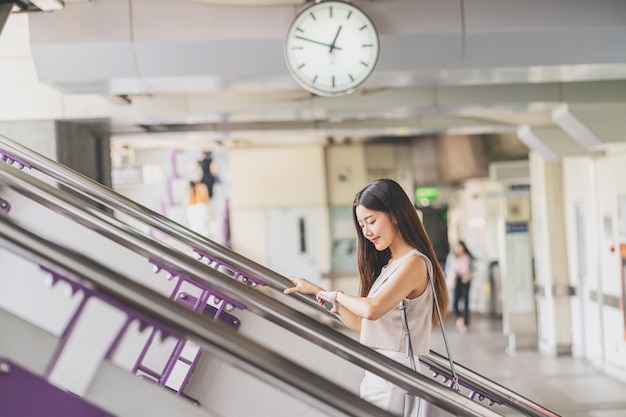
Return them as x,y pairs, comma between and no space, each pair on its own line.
48,5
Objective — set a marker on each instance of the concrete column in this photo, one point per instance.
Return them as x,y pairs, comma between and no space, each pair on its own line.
84,150
551,268
5,11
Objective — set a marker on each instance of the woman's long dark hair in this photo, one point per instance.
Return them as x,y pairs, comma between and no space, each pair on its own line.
387,196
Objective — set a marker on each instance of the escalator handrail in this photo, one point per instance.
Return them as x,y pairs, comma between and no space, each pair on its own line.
180,321
116,201
257,301
508,397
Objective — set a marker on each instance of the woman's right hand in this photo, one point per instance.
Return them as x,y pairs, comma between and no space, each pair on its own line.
302,286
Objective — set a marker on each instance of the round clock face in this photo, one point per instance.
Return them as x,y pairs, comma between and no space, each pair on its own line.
331,48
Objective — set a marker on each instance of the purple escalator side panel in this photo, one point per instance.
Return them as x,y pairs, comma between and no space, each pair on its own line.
25,394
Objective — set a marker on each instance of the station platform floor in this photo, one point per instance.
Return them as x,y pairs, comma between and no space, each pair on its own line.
568,386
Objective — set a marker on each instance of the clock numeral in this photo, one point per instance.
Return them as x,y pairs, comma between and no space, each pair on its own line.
293,48
301,65
299,30
330,9
364,64
349,14
351,77
367,45
363,27
313,16
314,79
333,81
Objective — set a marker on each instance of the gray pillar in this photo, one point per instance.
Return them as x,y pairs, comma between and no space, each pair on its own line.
5,11
84,150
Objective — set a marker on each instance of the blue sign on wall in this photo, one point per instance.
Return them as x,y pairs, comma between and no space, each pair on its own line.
517,227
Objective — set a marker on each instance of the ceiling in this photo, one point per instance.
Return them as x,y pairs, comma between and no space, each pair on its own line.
182,72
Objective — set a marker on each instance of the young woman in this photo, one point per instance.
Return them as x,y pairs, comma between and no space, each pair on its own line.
394,259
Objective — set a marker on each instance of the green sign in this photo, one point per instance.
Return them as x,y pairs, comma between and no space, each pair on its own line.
428,193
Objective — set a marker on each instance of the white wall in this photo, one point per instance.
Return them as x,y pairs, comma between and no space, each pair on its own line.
345,173
579,188
268,178
609,188
596,185
551,273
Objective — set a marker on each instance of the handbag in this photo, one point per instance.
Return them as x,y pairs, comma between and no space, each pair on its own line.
415,406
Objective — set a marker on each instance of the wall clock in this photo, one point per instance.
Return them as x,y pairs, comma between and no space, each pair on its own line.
331,48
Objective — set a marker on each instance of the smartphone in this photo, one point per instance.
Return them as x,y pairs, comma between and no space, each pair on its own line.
328,305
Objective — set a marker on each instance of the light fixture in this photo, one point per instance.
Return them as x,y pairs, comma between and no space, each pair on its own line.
48,5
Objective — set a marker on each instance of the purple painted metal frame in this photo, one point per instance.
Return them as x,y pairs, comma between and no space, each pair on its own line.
5,206
12,159
195,304
88,293
159,266
216,263
473,391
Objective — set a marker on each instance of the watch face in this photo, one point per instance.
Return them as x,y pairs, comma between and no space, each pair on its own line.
331,48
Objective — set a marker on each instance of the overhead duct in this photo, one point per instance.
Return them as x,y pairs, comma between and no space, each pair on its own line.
550,142
592,125
147,46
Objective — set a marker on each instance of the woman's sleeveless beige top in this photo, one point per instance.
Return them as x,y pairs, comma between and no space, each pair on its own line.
387,332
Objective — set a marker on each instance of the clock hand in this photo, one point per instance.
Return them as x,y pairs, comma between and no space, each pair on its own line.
332,45
317,42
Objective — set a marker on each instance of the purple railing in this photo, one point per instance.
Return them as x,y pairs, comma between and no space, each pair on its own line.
5,206
473,391
158,377
219,311
10,159
237,274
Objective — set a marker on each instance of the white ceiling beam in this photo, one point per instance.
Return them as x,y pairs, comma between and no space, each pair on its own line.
592,124
550,142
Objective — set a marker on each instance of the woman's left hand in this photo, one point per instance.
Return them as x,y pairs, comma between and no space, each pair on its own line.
302,286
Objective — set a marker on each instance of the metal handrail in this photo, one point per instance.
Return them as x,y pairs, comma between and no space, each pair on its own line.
225,343
113,200
257,301
508,397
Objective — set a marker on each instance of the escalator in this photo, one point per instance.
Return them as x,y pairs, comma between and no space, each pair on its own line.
227,286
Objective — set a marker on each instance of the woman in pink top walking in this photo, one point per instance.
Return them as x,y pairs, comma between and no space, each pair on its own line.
463,272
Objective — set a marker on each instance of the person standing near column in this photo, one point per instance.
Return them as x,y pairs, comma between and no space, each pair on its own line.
463,259
208,178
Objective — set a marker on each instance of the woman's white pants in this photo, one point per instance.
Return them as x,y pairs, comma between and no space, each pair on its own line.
383,393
